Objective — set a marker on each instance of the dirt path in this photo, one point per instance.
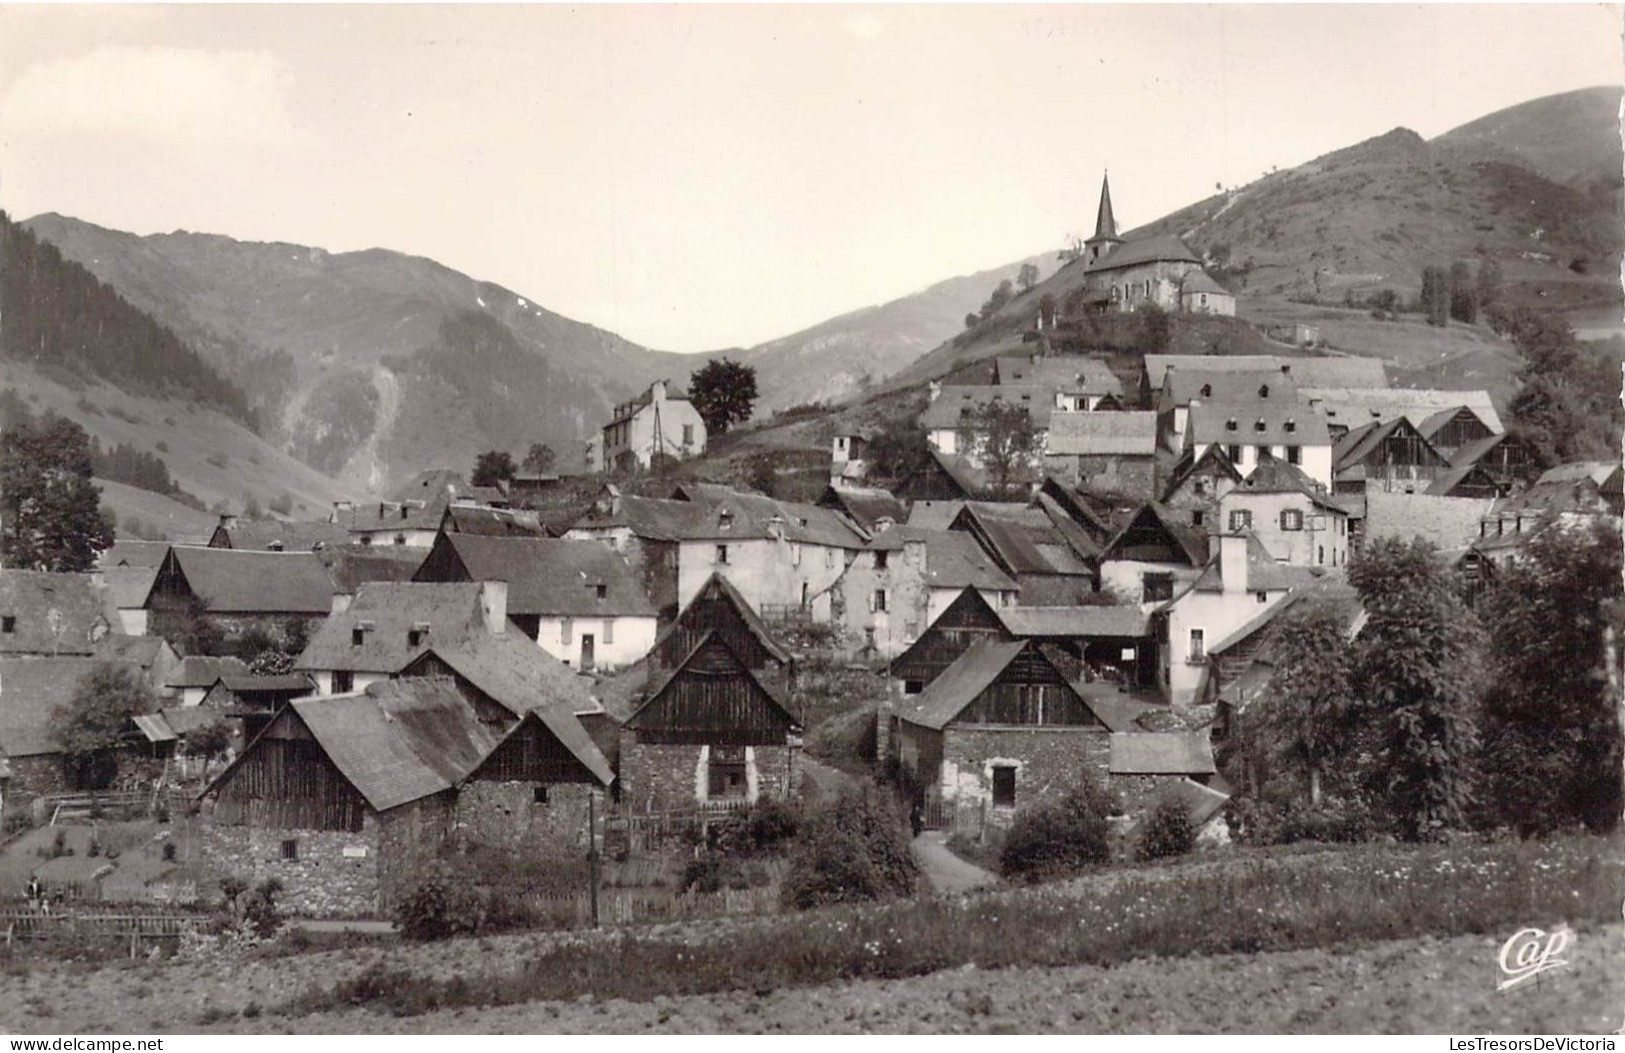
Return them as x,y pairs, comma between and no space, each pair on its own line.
949,875
821,779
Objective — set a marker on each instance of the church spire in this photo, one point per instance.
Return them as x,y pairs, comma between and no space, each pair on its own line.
1105,222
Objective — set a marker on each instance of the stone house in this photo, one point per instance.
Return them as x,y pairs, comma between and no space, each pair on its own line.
1076,383
1152,557
1289,431
1456,417
580,601
1183,385
388,624
346,798
1296,520
48,614
906,579
661,421
234,591
32,689
1104,452
1390,456
714,733
871,508
648,533
1044,549
848,457
1195,485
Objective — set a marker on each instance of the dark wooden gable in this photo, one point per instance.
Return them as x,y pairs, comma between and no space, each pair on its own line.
1476,482
1464,427
442,564
712,698
713,609
1146,539
1030,690
170,589
532,753
931,482
1404,446
285,780
967,619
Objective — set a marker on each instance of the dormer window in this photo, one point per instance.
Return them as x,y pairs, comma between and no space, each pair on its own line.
417,634
1230,425
1207,391
358,636
1263,391
1259,426
1291,425
601,591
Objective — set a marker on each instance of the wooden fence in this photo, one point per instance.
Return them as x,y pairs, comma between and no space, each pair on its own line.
955,817
635,832
134,927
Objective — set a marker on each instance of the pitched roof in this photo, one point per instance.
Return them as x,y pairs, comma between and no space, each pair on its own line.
1161,753
399,740
516,673
1189,464
1099,434
55,613
956,404
1273,475
1202,282
31,689
352,566
1116,710
384,613
1352,406
747,613
1075,622
864,504
568,730
1144,250
776,696
1445,482
272,535
1182,384
204,670
652,518
1069,374
1260,422
953,559
553,577
1599,472
134,554
934,515
957,686
1477,450
1448,522
1303,370
1333,588
1201,802
1027,540
433,484
1156,518
230,581
128,587
142,651
1264,573
266,683
493,522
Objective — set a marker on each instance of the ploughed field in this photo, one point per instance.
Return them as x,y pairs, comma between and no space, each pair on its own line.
1364,939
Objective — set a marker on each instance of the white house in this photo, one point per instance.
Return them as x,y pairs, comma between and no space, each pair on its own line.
1291,431
388,624
1296,522
661,420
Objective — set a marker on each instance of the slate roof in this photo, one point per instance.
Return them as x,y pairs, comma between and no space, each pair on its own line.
1332,588
651,518
1448,522
864,505
1599,472
398,741
431,484
1075,622
1202,282
148,554
1101,434
515,672
953,559
55,613
1182,384
1027,540
1264,573
1448,480
128,587
270,535
352,566
1144,250
950,409
1201,802
628,410
1191,541
958,685
204,671
266,683
732,513
493,522
934,515
553,577
1161,753
385,612
1189,464
1303,370
1118,711
230,581
1058,373
1352,406
1260,422
142,651
31,689
1274,475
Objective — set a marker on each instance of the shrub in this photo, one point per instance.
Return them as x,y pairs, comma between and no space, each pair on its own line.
438,907
1060,838
254,909
1166,832
854,848
1334,820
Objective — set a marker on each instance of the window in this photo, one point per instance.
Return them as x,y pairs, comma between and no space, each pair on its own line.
400,539
414,637
1291,425
1004,786
8,624
1196,517
1230,425
358,636
1241,519
1291,519
1198,646
1294,454
688,435
1263,391
1156,587
343,682
1234,453
726,774
1207,391
609,630
880,560
290,848
829,558
880,599
1199,488
1321,551
722,553
538,795
1260,426
601,591
913,687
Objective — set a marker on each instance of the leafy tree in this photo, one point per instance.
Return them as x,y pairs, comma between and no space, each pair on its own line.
1414,678
539,459
96,720
273,662
1027,277
492,468
211,741
1552,745
896,451
1489,284
972,320
1435,298
1001,295
1156,328
1166,832
1463,293
50,512
1568,406
1001,436
854,848
723,393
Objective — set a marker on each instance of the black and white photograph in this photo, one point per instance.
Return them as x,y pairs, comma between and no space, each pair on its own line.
807,519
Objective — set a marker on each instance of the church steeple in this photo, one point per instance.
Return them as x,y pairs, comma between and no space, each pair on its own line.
1105,222
1105,238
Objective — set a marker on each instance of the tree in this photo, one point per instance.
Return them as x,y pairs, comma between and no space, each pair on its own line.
539,459
50,512
896,451
1027,277
1463,293
1001,436
1569,404
1552,741
1414,677
972,320
723,393
1435,298
94,723
1488,284
492,468
1156,328
1001,295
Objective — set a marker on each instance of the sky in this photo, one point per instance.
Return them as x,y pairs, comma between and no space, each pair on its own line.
703,177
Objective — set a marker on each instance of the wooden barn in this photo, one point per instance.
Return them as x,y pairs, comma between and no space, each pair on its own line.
1392,457
718,608
713,733
969,618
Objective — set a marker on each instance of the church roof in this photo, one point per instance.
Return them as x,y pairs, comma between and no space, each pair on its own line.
1145,250
1105,222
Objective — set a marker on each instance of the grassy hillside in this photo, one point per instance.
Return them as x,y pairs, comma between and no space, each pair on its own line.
1541,135
147,516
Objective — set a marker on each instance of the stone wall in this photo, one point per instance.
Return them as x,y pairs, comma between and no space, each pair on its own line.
507,815
334,873
665,777
1048,761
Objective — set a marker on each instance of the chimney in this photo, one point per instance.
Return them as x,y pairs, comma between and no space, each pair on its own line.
494,606
341,602
1233,562
933,389
228,520
914,553
657,391
1286,369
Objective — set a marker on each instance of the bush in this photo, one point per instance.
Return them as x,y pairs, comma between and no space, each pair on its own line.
1166,832
1060,838
1335,820
253,909
438,907
855,848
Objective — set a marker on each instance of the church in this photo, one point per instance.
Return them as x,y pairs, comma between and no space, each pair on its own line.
1160,269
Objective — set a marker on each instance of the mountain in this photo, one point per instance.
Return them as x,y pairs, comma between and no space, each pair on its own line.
1541,135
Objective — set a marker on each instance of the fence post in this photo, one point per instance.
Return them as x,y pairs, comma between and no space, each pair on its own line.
592,851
